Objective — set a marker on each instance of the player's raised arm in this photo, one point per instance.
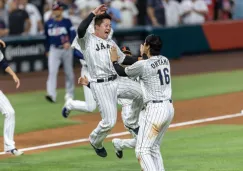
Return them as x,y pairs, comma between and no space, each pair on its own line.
86,22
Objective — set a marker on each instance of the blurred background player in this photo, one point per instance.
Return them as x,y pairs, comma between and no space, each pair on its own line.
7,110
60,33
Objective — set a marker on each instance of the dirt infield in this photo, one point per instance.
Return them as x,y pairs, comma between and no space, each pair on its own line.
185,110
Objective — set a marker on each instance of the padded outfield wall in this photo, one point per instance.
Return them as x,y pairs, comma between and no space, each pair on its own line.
27,54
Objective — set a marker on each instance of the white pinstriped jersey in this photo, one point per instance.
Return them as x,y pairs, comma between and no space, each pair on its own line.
96,52
122,101
155,77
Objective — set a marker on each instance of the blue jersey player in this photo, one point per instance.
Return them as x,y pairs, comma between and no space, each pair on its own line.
59,33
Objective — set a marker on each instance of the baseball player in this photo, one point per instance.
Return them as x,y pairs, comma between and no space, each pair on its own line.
119,144
89,104
7,110
59,35
104,83
155,78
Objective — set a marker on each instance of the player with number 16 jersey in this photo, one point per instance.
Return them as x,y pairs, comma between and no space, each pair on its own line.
155,78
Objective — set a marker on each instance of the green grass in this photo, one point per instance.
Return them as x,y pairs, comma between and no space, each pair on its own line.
202,85
208,148
33,112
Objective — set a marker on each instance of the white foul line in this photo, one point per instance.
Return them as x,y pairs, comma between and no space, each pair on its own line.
126,133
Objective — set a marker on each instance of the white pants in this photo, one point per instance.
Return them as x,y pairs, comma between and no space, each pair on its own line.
55,58
89,104
154,123
9,122
106,95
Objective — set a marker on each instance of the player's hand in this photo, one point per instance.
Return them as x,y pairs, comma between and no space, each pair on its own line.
83,81
113,53
2,43
100,10
140,58
17,81
66,45
47,54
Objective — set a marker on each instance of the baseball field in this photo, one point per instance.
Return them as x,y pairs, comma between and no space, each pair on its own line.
205,135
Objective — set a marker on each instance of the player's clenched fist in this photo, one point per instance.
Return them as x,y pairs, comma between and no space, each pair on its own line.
113,53
100,10
83,81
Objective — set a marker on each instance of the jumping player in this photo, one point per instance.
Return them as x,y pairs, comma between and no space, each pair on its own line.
155,78
59,35
119,144
7,110
104,84
89,104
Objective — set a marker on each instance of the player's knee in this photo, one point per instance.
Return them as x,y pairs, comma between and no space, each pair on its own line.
111,124
91,107
10,112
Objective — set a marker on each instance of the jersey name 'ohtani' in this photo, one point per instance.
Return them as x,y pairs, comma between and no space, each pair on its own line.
155,77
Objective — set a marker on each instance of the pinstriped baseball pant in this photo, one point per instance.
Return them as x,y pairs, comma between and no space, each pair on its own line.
89,104
9,122
106,94
153,125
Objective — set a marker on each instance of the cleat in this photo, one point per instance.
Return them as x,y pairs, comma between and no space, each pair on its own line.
15,152
118,150
100,152
49,98
134,132
65,112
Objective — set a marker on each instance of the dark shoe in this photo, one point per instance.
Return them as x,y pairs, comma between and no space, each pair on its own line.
49,98
100,152
134,131
65,112
118,150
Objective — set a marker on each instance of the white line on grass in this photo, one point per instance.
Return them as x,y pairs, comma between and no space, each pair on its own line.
126,133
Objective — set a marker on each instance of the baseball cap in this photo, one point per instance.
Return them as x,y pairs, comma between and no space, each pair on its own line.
57,5
126,49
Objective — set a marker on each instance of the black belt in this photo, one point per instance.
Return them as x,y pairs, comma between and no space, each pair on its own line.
160,101
111,78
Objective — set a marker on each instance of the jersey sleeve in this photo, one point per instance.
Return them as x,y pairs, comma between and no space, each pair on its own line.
1,56
136,69
3,62
83,41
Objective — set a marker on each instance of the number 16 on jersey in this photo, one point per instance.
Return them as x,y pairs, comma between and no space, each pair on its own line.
164,76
